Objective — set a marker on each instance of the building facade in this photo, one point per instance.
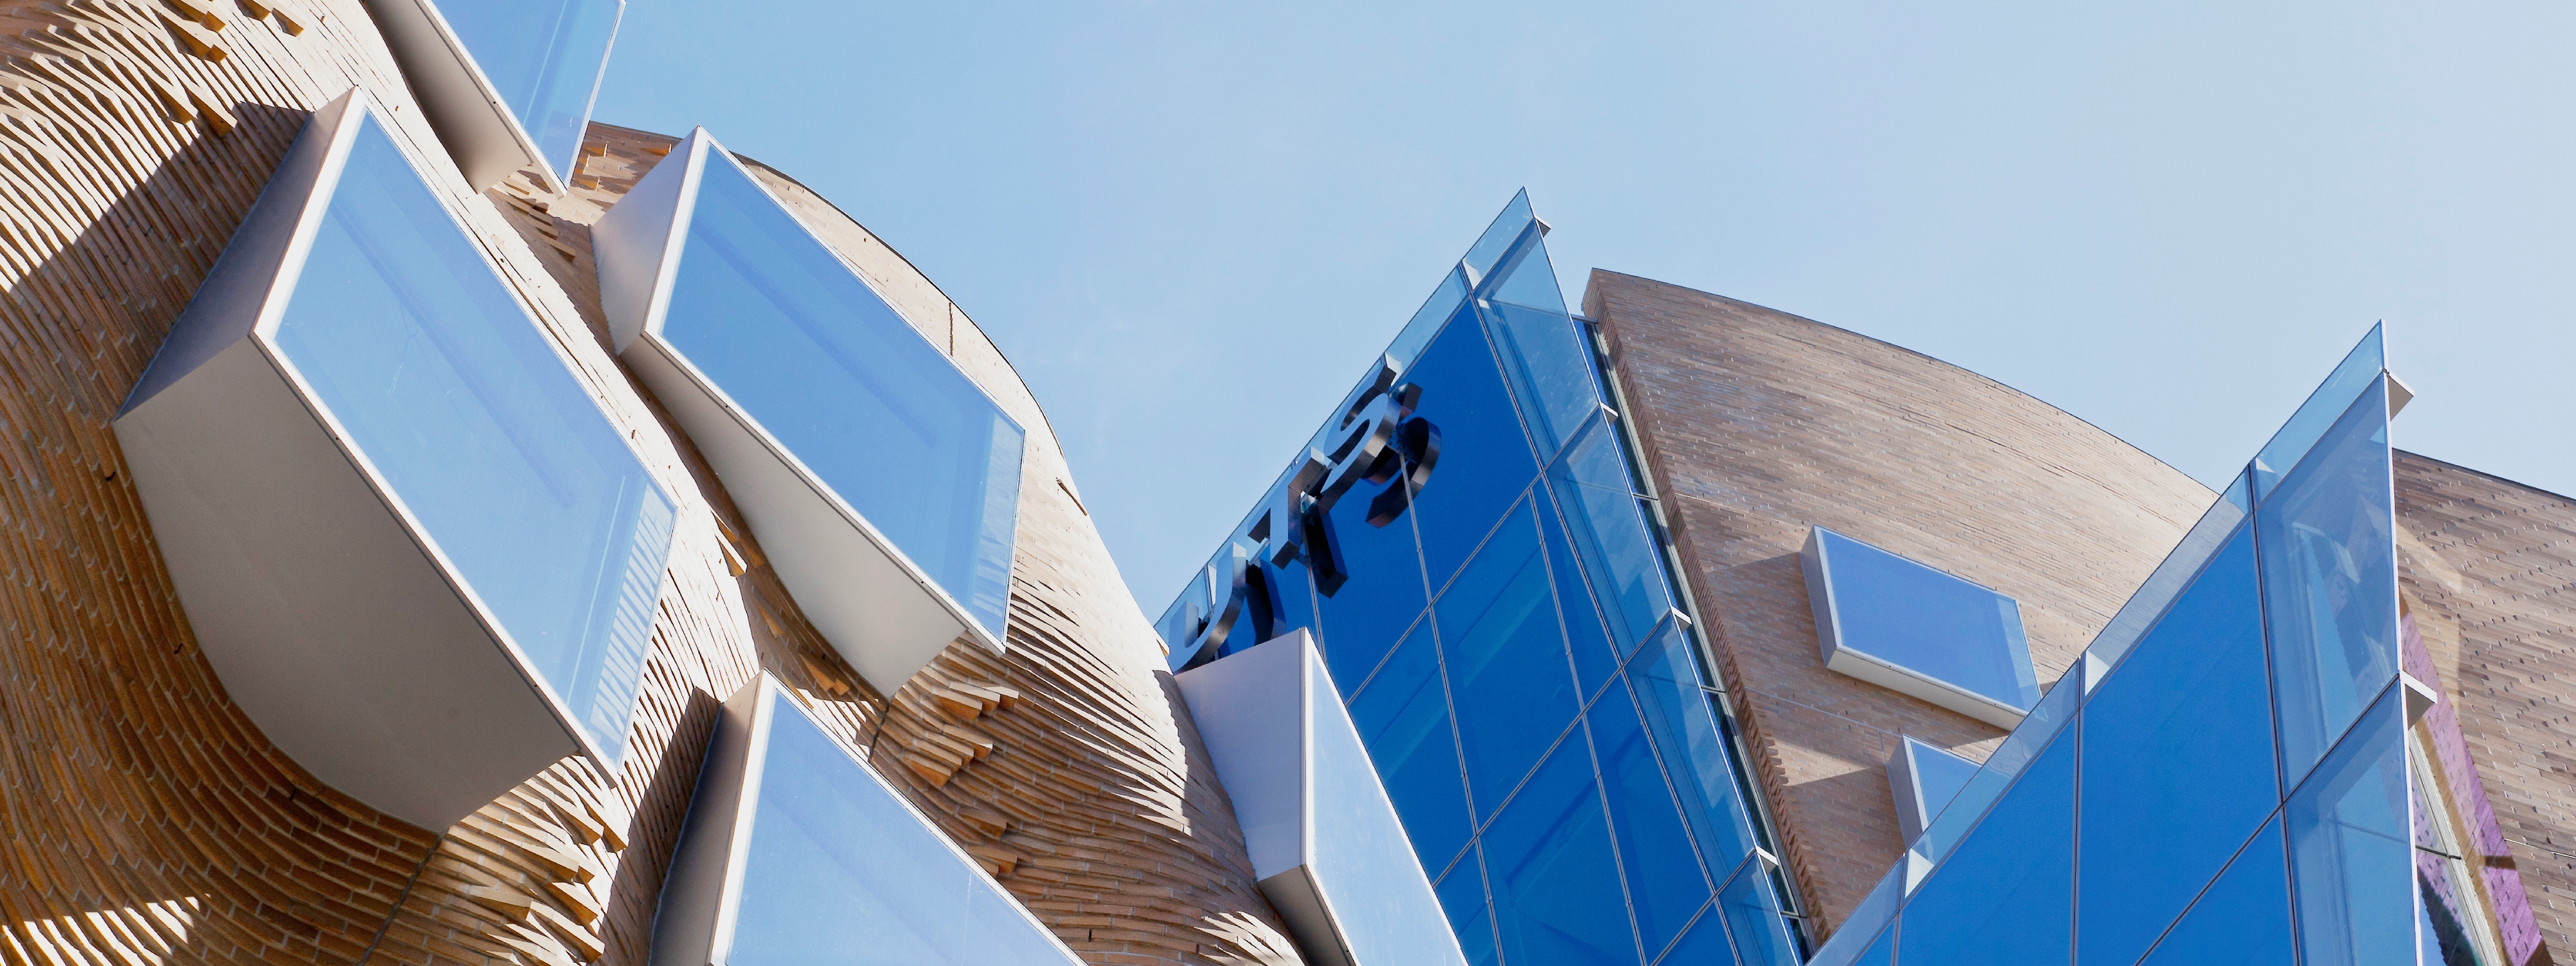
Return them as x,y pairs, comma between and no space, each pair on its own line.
444,530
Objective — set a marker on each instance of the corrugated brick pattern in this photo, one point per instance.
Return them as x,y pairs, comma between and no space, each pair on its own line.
2489,573
145,818
1758,424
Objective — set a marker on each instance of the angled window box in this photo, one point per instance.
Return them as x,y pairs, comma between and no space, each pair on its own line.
1326,846
882,482
1907,627
417,553
795,851
1924,779
507,83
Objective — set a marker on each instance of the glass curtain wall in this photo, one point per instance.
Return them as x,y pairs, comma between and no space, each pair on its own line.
1469,542
2227,784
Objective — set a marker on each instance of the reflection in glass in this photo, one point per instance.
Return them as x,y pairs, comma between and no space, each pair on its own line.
1498,239
2244,918
1485,461
441,380
1695,751
1924,778
2005,895
1403,718
2055,709
840,871
2330,582
1751,905
1545,355
1585,637
1462,896
1705,943
2177,760
1665,883
1506,661
2350,848
1611,533
1922,620
1556,890
800,344
545,58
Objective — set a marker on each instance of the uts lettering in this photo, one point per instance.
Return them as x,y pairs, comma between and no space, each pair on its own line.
1378,442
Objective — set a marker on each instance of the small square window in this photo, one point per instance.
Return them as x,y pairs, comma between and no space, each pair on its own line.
1904,626
1924,779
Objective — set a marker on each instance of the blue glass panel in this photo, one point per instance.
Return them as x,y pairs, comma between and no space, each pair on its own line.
1694,749
2244,918
1498,238
2351,851
1403,717
1379,591
1462,896
439,376
840,871
1426,322
1527,279
2291,443
1665,884
1927,621
2177,760
2005,895
1585,637
545,58
808,350
1705,943
1750,902
1548,360
1611,533
1556,889
1485,461
2330,583
1292,597
2055,709
2169,578
1361,858
1506,661
1881,951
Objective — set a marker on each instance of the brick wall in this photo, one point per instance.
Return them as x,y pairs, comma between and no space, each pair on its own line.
146,820
2489,574
1758,424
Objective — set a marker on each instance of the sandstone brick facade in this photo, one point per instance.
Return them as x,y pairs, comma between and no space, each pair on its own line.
144,817
2489,574
1757,424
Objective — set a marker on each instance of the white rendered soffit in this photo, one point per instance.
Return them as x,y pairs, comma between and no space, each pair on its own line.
639,243
247,302
479,128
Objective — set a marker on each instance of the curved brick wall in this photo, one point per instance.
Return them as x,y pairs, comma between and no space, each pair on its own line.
145,818
1758,424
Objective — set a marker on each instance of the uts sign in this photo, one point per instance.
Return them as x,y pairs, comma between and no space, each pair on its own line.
1378,442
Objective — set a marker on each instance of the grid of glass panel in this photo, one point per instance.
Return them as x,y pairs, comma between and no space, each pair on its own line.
801,345
1511,648
443,382
545,58
2232,786
840,870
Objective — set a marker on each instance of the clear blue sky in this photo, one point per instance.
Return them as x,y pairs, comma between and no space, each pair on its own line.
1190,226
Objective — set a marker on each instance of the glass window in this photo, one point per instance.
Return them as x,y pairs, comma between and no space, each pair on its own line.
1751,904
1506,661
2330,583
1556,889
1403,717
804,347
545,58
1377,589
840,871
1901,613
2351,850
1426,322
2005,896
1611,533
1585,637
2244,918
1665,882
2160,588
1924,779
2177,760
1485,461
2290,444
1705,943
1695,750
1462,896
2055,710
1548,359
1498,239
440,378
